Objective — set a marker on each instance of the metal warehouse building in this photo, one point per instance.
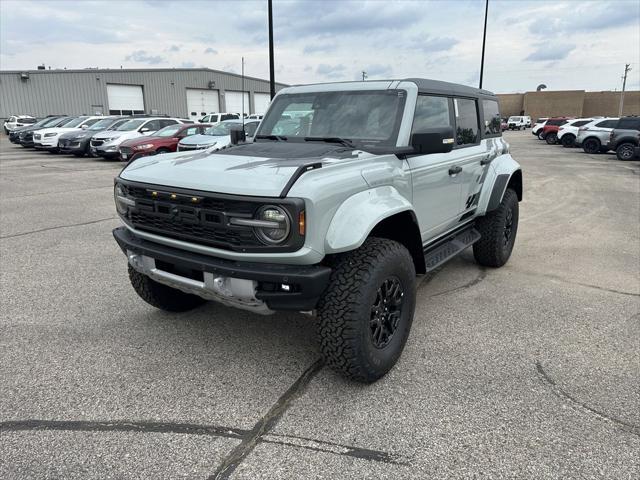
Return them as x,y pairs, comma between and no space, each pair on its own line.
182,92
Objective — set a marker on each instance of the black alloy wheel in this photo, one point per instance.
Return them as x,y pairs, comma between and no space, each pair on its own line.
386,311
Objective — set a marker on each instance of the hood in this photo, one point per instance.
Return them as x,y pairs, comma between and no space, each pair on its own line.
109,134
204,139
257,169
57,130
142,140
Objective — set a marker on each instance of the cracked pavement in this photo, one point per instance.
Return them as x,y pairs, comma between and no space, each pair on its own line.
529,371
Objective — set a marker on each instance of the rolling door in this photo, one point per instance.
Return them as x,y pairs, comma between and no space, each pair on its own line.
125,99
234,102
262,101
201,102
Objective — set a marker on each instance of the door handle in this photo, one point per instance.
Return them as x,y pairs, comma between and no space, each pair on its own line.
455,170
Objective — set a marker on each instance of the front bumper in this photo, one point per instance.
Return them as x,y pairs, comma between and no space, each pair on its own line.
106,151
306,283
46,143
73,146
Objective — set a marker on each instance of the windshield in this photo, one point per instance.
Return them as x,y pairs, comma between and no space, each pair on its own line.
64,122
169,131
117,123
45,121
101,124
371,117
221,129
130,125
75,122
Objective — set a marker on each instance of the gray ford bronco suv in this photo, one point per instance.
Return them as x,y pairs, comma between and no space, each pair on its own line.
346,193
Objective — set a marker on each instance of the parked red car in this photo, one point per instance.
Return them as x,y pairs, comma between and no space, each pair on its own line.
550,130
164,140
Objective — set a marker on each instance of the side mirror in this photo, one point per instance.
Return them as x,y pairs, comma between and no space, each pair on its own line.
84,127
144,130
433,140
238,135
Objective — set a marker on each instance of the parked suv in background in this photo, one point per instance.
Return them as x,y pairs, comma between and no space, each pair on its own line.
78,142
594,136
537,127
214,118
164,140
336,217
550,130
17,121
105,144
47,138
568,132
217,136
624,137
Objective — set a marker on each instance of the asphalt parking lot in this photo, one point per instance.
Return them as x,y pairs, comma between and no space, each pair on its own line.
529,371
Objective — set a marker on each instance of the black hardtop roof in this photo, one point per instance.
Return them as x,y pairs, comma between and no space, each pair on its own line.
447,88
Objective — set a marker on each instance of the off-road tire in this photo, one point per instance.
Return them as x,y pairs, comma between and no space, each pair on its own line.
592,146
568,140
162,296
625,151
494,249
346,309
551,138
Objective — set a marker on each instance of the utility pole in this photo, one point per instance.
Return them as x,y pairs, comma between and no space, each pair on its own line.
272,74
242,94
364,76
627,69
484,41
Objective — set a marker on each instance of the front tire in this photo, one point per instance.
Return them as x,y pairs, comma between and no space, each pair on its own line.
162,296
591,145
498,230
625,151
365,315
551,138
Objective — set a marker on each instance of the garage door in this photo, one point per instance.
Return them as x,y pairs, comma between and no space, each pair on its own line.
201,102
262,101
234,102
125,99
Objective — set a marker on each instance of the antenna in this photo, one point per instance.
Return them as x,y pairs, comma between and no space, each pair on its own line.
242,94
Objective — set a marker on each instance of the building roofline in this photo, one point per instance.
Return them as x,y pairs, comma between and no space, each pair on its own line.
156,70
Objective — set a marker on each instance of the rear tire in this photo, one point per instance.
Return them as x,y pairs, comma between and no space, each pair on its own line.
551,138
162,150
365,315
162,296
625,151
498,230
568,140
591,145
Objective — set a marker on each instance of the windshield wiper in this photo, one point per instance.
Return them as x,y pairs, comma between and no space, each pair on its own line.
342,141
272,137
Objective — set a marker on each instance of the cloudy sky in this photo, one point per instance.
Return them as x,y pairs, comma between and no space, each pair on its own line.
571,44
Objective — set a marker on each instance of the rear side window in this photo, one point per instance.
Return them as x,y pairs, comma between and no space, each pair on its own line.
607,124
91,122
466,121
492,119
153,125
431,112
580,123
250,128
632,123
166,123
191,131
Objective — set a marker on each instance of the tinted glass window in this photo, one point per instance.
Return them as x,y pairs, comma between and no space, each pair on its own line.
466,121
629,123
153,125
191,131
88,123
221,129
250,128
491,117
12,119
75,122
607,124
580,123
27,121
431,112
166,123
205,119
168,131
130,125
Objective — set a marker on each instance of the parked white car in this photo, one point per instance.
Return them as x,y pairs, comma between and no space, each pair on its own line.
17,121
47,138
219,117
539,125
105,144
255,116
568,132
518,122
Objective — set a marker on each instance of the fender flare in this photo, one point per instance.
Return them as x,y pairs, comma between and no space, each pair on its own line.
358,215
503,170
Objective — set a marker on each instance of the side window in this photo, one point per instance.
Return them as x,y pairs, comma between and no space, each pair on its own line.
250,128
431,112
630,123
205,119
153,125
166,123
190,131
466,121
492,120
88,123
607,124
193,114
580,123
12,119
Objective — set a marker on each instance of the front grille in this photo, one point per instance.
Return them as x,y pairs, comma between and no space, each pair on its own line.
37,136
207,223
63,143
96,143
184,148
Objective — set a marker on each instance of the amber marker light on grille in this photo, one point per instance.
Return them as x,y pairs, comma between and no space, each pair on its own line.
173,196
301,223
194,199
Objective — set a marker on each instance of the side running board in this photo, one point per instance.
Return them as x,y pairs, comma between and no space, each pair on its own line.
449,248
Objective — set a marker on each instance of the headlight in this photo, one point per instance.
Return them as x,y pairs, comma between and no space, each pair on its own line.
280,226
143,146
122,201
46,135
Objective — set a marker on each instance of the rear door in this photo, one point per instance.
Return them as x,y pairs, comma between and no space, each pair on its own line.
436,186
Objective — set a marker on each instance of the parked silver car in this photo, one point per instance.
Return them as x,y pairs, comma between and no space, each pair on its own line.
594,136
217,136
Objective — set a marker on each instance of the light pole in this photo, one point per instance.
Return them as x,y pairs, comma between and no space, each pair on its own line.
272,74
624,85
484,41
364,76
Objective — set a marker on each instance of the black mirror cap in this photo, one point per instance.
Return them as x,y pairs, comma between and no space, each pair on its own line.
433,140
238,135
